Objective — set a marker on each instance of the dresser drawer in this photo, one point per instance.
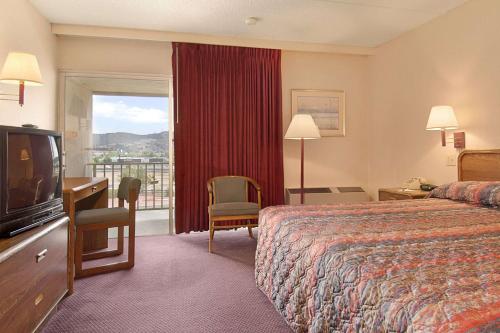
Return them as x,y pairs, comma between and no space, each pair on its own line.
33,280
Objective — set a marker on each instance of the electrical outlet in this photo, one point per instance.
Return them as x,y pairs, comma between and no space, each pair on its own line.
451,160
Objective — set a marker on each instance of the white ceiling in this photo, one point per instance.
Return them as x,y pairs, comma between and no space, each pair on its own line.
341,22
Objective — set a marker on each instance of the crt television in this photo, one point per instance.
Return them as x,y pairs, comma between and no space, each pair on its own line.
30,178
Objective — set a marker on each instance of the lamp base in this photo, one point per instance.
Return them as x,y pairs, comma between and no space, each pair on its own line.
302,171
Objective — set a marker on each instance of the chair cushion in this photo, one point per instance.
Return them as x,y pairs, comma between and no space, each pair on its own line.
230,189
235,208
101,215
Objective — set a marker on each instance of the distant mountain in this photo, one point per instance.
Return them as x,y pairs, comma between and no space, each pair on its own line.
132,143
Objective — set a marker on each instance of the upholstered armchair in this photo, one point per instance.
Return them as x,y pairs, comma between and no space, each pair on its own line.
228,201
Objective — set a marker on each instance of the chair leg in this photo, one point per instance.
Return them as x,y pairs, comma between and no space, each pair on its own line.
120,240
250,234
212,231
104,269
79,252
131,244
110,253
129,263
210,239
100,255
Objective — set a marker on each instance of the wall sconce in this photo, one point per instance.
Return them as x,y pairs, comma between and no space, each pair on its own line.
442,118
22,69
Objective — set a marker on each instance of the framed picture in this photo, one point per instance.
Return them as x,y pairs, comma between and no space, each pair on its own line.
327,107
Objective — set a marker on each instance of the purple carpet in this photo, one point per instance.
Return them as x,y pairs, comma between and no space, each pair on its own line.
175,286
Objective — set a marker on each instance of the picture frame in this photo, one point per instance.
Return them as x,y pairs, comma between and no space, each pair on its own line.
327,107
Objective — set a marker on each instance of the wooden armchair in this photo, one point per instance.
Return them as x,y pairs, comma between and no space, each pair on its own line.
105,218
228,201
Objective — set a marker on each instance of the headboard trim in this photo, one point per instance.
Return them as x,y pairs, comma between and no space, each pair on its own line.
479,165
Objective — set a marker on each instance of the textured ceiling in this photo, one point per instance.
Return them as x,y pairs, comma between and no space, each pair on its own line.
342,22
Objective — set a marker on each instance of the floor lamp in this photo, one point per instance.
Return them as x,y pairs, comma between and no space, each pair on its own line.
302,128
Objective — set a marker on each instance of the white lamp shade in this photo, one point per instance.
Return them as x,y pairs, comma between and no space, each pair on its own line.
21,67
442,117
302,126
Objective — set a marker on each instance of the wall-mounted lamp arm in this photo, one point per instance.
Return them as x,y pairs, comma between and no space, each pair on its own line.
443,138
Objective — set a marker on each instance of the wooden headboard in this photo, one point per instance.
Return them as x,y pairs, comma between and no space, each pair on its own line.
479,165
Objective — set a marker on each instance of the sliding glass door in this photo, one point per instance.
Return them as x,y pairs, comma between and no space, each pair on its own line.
119,126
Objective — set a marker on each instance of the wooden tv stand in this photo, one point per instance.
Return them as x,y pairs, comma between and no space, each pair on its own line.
33,276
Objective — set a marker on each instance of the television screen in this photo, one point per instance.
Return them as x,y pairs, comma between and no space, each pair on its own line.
32,170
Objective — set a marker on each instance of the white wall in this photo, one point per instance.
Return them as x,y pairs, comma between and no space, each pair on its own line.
114,55
23,29
336,161
455,60
346,161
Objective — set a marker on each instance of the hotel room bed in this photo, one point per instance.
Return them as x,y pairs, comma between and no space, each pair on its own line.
429,265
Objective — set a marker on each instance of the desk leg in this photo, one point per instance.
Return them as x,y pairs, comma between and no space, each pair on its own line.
97,240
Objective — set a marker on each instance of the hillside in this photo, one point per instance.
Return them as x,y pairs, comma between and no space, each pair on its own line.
132,143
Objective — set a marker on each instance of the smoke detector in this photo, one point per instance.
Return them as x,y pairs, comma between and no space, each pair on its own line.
251,20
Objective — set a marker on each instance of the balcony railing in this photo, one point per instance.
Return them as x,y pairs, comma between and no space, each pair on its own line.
153,175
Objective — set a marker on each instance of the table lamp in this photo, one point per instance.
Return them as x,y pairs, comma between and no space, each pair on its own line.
302,127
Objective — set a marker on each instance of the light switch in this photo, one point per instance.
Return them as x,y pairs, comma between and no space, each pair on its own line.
451,160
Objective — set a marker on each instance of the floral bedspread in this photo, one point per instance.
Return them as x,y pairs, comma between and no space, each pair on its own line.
429,265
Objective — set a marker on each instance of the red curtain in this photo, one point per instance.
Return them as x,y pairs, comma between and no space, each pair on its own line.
227,122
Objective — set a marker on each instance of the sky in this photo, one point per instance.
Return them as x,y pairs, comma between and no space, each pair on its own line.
132,114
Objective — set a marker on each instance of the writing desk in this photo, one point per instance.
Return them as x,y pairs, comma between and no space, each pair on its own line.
81,193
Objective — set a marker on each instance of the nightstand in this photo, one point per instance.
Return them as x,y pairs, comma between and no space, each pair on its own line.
400,194
326,195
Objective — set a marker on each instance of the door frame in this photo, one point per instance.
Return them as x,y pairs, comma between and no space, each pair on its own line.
61,98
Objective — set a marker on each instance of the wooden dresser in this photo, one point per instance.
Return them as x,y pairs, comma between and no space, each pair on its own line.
33,276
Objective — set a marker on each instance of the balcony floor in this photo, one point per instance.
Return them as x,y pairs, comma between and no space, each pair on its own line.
148,222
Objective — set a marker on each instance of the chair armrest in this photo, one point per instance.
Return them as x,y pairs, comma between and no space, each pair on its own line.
259,198
210,193
257,187
254,183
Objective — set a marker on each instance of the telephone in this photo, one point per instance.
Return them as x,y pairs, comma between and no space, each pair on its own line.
427,187
414,183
